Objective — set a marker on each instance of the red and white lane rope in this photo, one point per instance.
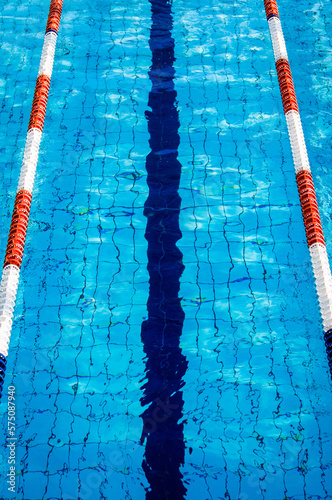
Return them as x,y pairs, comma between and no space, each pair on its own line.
310,212
19,223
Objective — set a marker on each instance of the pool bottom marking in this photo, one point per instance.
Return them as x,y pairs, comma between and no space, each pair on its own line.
165,364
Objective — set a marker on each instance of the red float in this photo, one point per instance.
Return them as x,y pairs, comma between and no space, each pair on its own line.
271,8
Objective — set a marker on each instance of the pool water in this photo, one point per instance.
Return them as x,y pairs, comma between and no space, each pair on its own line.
167,341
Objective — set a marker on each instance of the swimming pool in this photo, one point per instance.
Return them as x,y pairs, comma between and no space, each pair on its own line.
212,383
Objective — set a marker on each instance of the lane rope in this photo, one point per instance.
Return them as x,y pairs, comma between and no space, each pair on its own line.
310,212
21,211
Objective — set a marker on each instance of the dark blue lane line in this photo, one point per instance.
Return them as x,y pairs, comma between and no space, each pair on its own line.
161,332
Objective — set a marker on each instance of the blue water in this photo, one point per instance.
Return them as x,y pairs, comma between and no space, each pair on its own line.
165,158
